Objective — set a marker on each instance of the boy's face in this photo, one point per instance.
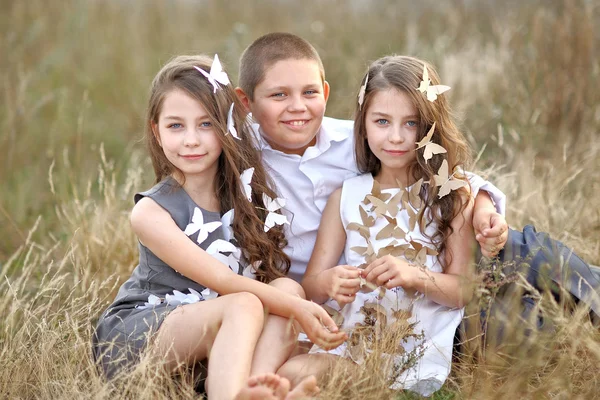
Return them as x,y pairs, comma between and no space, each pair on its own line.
289,104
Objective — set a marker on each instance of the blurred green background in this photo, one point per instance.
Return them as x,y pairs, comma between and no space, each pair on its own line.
524,76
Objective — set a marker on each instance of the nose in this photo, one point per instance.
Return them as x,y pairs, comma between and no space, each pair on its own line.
396,135
191,138
297,104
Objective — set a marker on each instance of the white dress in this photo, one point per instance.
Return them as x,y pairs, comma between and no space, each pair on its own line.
434,324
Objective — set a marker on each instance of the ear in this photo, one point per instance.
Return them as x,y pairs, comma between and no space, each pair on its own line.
154,127
325,90
243,98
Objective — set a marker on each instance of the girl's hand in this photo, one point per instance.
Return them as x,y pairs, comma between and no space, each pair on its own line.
390,272
341,283
318,325
491,231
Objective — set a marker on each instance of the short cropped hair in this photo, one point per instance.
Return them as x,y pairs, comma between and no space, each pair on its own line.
266,51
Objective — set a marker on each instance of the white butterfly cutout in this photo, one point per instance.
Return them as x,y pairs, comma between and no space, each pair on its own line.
430,147
432,91
447,183
220,246
361,93
217,75
152,301
250,270
226,220
246,178
198,225
230,125
273,218
178,298
208,294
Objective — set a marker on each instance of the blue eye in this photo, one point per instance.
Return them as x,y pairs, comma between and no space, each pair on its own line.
382,121
175,125
205,124
310,92
278,95
412,123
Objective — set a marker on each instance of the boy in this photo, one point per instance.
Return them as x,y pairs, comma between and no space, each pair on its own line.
282,83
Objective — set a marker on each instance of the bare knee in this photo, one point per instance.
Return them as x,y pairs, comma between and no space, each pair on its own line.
246,305
289,286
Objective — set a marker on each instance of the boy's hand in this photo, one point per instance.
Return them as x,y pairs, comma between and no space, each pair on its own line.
341,283
319,326
491,231
390,272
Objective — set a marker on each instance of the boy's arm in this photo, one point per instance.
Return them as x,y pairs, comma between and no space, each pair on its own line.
324,279
491,230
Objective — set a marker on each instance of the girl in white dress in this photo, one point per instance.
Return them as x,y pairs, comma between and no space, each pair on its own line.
403,227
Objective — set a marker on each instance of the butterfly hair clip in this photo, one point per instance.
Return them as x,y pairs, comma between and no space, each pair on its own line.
361,93
216,76
432,91
230,124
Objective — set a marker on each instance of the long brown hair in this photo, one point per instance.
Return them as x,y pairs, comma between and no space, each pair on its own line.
404,74
236,157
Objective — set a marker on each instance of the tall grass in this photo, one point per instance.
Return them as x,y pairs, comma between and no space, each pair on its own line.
74,79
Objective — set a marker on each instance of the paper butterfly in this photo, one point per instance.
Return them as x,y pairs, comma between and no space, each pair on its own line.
386,208
430,147
393,249
220,246
152,302
246,178
447,183
376,192
217,75
273,218
392,229
230,125
208,294
226,220
198,225
361,92
432,91
367,223
178,298
367,251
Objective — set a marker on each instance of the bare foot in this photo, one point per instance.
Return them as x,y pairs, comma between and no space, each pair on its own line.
265,386
307,388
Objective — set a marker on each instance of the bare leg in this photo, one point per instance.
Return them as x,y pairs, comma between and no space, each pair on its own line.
225,330
278,338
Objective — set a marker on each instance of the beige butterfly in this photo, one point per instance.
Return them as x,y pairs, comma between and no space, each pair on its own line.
361,92
394,249
376,192
391,230
364,228
447,183
412,218
432,91
430,147
381,207
419,253
368,252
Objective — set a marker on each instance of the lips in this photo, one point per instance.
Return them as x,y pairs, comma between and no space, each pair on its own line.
396,152
296,122
192,156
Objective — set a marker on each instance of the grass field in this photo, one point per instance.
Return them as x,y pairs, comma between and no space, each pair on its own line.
74,81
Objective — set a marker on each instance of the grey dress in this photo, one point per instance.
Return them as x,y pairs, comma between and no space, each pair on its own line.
123,329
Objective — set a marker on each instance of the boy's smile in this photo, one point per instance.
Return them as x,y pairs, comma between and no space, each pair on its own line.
289,105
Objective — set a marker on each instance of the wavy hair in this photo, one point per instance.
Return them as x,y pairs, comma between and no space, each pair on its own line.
236,156
404,74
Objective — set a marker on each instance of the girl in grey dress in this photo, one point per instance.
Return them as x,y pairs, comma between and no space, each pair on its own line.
206,220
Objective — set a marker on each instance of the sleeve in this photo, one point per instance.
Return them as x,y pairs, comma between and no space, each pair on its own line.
478,183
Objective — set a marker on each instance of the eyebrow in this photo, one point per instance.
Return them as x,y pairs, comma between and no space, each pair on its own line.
175,117
381,114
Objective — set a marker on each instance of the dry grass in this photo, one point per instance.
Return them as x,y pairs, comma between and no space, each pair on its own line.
74,77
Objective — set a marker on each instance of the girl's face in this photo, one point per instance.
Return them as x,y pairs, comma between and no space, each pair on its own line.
187,135
392,123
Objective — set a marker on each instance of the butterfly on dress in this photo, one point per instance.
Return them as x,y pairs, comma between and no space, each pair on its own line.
418,253
273,218
367,251
394,249
220,246
385,208
198,225
376,192
230,124
246,178
432,91
216,76
392,229
364,228
227,220
447,183
430,147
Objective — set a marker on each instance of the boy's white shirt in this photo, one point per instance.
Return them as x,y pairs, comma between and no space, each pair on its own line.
307,181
